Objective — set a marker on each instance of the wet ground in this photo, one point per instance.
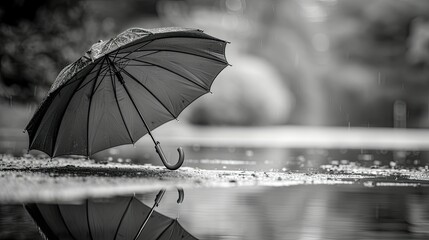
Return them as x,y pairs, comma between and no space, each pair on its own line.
237,184
334,201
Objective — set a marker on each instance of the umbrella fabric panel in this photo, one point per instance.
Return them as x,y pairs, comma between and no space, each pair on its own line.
195,45
130,117
198,70
54,219
104,217
105,124
176,231
76,219
171,92
44,126
132,220
72,134
45,136
155,227
152,110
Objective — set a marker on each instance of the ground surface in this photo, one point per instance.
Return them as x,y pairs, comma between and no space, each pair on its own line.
30,179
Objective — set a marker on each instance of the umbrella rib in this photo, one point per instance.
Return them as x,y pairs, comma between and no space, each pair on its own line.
119,108
169,225
64,221
184,52
129,59
169,70
37,216
127,54
209,39
69,81
57,90
96,88
84,85
65,110
147,89
122,218
89,106
87,219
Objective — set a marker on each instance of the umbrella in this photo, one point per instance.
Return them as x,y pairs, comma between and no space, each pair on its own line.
117,218
125,87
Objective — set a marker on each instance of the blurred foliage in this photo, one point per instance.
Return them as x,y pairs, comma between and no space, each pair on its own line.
38,39
347,62
390,39
249,93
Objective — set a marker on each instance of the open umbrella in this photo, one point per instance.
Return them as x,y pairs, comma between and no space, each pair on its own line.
125,87
119,218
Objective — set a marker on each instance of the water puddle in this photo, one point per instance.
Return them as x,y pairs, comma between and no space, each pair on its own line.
295,212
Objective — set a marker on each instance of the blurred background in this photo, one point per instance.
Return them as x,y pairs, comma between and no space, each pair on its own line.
319,64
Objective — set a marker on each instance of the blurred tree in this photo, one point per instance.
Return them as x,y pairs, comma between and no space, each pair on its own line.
390,39
283,37
39,38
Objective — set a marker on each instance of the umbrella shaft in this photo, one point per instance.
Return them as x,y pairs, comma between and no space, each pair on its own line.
121,80
144,223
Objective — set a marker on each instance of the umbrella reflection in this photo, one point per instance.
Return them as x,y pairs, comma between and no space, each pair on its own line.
115,218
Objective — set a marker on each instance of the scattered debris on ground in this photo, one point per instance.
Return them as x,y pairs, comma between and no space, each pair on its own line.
31,179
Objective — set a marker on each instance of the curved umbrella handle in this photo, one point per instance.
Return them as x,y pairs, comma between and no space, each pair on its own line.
164,160
181,195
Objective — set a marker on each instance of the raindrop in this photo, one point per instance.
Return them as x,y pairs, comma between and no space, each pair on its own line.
249,153
120,160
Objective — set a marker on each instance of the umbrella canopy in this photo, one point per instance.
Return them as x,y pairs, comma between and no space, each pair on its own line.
118,218
125,87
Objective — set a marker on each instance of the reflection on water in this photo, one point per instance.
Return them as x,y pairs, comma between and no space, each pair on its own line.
296,212
123,217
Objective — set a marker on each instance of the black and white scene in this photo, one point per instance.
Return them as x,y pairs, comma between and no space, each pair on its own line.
214,119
